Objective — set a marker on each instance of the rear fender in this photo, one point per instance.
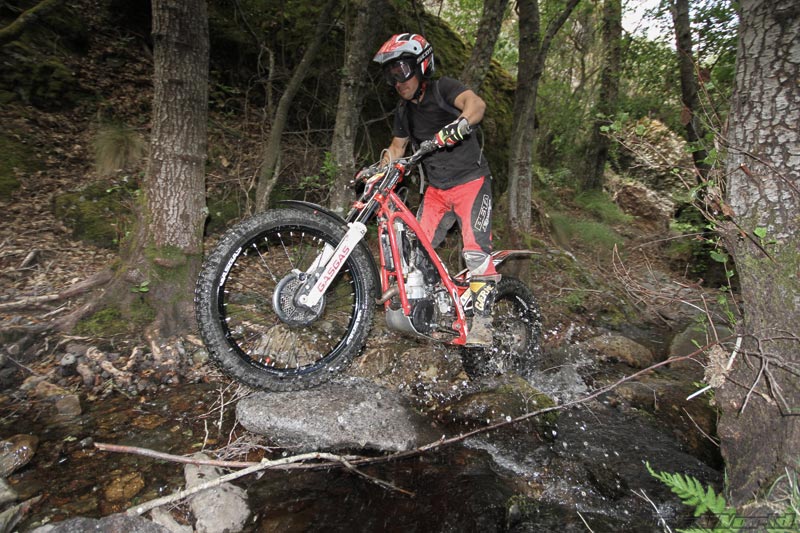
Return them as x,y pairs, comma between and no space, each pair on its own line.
499,257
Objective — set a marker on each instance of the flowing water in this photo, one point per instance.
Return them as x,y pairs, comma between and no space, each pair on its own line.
588,473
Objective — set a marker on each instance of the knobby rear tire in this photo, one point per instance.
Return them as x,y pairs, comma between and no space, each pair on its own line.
266,341
517,325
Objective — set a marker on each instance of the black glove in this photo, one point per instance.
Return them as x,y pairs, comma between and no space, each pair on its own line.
453,133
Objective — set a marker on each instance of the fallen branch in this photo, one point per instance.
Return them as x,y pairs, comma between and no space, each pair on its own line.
258,467
75,290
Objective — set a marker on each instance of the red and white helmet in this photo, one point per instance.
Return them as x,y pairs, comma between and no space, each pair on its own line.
408,46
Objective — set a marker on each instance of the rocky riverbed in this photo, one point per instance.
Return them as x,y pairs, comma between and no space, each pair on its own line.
581,464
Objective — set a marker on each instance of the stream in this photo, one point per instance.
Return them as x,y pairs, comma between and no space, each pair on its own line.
585,473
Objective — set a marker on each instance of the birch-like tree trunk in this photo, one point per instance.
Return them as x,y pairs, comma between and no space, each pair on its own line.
606,106
760,400
533,50
690,115
361,45
486,37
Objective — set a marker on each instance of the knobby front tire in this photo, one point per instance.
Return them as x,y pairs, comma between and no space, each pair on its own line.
246,311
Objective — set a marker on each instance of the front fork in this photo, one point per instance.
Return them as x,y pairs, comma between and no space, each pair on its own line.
327,265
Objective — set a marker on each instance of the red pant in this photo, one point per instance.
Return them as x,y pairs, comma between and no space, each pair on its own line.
470,205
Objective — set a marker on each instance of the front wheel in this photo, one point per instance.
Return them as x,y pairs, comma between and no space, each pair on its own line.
247,310
517,330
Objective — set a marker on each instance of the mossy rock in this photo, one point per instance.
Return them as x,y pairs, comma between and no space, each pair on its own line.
42,81
99,214
33,67
15,157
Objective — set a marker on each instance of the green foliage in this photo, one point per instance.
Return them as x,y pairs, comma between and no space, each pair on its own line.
117,147
692,493
142,287
706,501
317,186
600,206
593,235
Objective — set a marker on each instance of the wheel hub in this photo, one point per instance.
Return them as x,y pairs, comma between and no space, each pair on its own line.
286,306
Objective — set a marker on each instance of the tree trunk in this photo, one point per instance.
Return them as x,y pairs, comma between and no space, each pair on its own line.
689,85
606,107
488,30
760,400
360,47
14,30
533,49
272,151
167,248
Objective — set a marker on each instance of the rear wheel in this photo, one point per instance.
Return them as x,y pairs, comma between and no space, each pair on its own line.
517,327
248,315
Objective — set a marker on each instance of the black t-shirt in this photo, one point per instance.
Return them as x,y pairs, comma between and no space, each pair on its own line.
447,167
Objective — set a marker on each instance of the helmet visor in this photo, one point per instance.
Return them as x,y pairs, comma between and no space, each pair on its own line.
398,72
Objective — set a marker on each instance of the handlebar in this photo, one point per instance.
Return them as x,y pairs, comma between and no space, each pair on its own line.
425,148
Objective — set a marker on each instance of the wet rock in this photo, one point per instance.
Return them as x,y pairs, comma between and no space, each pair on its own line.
200,357
220,509
124,486
115,523
405,364
46,390
690,340
14,514
67,364
162,517
611,347
344,414
497,399
16,452
7,494
69,406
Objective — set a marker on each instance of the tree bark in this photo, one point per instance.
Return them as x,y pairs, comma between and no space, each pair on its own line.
360,47
481,58
760,400
14,30
272,151
166,250
606,107
689,86
533,49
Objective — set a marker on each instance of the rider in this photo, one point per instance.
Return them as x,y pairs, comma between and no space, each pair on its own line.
460,187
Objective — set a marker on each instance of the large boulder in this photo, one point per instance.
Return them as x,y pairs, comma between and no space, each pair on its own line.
340,415
658,157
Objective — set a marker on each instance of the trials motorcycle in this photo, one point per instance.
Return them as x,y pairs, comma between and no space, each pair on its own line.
286,299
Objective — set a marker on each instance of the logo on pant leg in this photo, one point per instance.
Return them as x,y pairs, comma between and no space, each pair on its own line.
482,220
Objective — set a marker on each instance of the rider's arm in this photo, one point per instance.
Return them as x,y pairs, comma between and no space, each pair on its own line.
471,105
396,150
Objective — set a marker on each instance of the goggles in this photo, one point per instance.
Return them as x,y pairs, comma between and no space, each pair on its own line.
398,72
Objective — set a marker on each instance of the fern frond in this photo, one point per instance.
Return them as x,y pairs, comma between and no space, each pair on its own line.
785,523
